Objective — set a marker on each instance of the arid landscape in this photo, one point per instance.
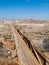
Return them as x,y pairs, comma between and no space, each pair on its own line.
24,38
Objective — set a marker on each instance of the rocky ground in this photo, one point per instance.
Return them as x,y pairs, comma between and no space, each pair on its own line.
8,53
36,33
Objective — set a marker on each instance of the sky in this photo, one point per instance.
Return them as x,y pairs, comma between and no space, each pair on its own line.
24,9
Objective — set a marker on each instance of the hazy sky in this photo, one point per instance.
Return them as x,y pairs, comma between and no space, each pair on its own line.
17,9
